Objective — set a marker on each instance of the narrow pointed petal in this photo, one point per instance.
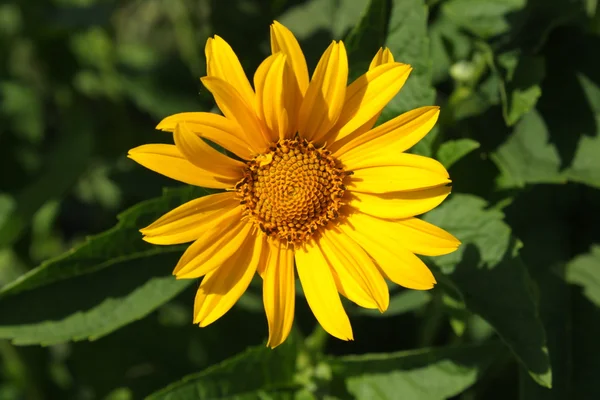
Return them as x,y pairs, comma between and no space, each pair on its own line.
383,56
222,288
396,262
213,127
398,205
368,95
321,292
391,158
424,238
220,241
199,153
279,293
398,134
395,179
324,97
283,40
270,96
167,160
233,107
296,74
191,220
356,276
222,63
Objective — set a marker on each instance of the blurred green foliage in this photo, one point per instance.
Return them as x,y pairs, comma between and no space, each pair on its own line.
90,311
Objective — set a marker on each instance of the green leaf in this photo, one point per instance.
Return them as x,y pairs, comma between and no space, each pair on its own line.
331,16
91,306
415,374
400,303
111,280
485,19
119,244
558,142
520,84
408,42
449,44
453,150
487,274
584,271
260,372
365,39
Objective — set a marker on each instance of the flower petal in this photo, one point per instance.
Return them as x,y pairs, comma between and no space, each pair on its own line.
270,96
398,134
413,234
222,288
324,97
368,95
167,160
296,74
396,262
390,158
190,220
283,40
356,276
398,205
395,179
199,153
321,292
235,108
383,56
279,293
213,127
221,62
424,238
221,240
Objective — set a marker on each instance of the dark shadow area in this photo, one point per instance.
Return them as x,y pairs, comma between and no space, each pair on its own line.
564,104
484,290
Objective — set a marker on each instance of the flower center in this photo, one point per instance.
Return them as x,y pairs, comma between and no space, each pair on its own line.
292,190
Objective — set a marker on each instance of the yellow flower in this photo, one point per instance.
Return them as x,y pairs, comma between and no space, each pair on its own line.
313,186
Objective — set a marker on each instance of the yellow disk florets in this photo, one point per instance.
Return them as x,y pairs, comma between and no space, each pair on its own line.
292,190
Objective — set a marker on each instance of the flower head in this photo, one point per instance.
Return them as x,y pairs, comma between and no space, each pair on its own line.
311,187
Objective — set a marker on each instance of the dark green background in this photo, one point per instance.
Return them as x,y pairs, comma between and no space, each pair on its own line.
89,311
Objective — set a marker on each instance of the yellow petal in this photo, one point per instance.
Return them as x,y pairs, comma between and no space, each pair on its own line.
368,95
233,107
321,292
296,74
395,179
398,205
222,63
167,160
279,293
355,160
383,56
222,288
396,262
356,276
220,241
189,221
324,97
270,97
398,134
413,234
213,127
199,153
283,40
424,238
